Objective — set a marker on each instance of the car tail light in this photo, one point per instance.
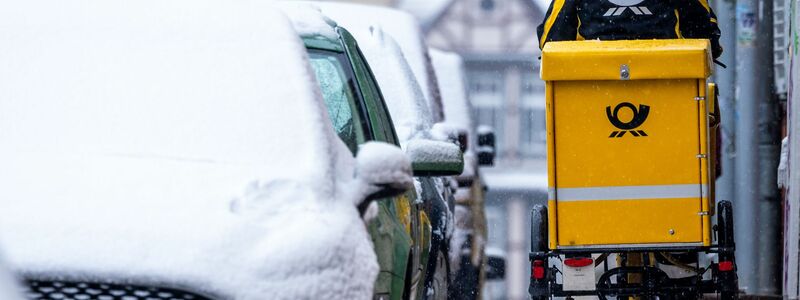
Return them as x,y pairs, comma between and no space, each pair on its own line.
537,269
578,262
726,266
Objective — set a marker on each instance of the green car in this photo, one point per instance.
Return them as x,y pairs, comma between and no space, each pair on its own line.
401,231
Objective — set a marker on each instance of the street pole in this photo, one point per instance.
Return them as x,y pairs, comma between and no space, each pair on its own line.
770,205
751,88
726,82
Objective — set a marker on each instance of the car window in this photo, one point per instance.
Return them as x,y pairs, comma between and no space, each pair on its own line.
380,119
338,90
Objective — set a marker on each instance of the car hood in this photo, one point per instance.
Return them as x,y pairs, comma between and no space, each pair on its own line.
219,229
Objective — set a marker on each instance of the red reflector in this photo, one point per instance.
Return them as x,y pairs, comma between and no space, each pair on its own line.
537,271
578,262
725,266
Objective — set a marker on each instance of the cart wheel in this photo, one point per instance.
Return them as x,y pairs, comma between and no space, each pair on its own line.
539,284
727,281
725,224
539,229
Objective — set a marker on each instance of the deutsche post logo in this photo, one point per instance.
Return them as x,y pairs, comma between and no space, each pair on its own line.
623,5
639,116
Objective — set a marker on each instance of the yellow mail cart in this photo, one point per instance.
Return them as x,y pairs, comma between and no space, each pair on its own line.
630,136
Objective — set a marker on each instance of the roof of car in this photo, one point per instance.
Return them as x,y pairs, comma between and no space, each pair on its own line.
316,29
180,143
404,98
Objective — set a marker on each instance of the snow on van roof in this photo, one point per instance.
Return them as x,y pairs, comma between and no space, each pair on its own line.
401,91
179,143
449,69
403,27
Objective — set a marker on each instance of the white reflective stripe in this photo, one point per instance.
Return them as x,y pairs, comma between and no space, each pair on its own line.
630,192
620,11
645,10
610,12
636,10
624,246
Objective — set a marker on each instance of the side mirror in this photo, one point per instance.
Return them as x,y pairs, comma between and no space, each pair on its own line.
384,170
435,158
486,146
495,267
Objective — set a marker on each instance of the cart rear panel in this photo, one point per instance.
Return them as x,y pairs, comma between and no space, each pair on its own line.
627,149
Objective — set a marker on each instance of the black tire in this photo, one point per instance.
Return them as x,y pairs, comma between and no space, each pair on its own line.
539,229
727,282
439,282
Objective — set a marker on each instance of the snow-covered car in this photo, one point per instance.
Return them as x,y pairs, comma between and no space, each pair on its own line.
178,150
413,123
337,60
470,235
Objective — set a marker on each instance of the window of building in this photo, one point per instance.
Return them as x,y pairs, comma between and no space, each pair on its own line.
486,92
533,135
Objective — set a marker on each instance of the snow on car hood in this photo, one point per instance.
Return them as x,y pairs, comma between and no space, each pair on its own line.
174,143
204,226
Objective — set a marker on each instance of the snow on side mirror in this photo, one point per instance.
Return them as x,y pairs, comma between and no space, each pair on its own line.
384,170
435,158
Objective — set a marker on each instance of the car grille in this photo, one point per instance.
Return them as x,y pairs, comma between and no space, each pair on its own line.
67,290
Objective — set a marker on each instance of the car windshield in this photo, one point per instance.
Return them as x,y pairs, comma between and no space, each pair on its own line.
338,89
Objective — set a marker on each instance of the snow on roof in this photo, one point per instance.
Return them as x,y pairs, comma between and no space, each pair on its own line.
400,89
449,69
308,20
179,143
404,28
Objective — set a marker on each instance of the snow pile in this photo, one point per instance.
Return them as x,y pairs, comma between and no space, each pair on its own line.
379,165
309,21
433,151
174,143
410,114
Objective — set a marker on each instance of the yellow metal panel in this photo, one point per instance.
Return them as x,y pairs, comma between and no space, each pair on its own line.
704,161
645,59
587,157
551,167
589,153
615,222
